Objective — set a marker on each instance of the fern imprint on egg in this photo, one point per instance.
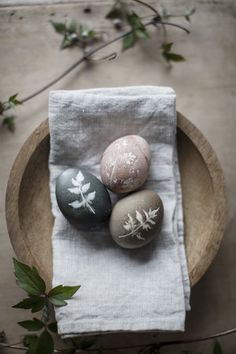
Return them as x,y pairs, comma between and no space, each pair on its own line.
134,225
81,190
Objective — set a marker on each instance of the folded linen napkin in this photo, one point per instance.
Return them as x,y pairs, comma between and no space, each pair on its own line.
121,290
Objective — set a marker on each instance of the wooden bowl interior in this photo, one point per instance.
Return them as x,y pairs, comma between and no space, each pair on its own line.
34,206
198,201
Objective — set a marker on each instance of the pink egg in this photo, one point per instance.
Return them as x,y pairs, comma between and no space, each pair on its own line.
125,164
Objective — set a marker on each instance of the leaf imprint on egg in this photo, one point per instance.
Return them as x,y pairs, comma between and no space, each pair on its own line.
82,190
140,222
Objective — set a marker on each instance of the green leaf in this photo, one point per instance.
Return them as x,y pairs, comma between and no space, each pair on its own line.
45,343
134,20
138,30
118,11
217,349
29,279
60,293
58,301
9,121
31,342
53,327
173,57
32,325
167,47
142,33
13,101
72,28
34,302
114,13
59,27
129,41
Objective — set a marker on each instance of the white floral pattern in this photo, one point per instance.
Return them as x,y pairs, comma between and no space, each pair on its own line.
86,200
129,157
134,226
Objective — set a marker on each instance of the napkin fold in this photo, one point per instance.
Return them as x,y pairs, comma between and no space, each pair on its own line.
121,290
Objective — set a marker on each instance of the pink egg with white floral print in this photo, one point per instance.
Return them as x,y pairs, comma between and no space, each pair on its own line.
125,164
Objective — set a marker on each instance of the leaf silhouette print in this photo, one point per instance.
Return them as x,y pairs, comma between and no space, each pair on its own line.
141,222
86,200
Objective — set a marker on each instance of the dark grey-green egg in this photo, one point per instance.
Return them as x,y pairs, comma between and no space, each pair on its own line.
82,198
136,219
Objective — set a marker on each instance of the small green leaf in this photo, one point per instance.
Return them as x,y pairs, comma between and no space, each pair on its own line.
13,101
59,27
29,279
217,349
118,11
72,28
31,342
66,43
9,121
53,327
134,20
66,291
60,293
115,13
57,301
35,303
142,33
129,41
138,30
45,343
167,47
32,325
173,57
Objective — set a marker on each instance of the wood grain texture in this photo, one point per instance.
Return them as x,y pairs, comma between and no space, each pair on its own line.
28,210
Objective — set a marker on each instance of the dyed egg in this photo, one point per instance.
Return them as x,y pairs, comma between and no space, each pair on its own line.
136,219
125,164
81,197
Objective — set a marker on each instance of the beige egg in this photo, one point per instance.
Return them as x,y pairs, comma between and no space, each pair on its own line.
125,164
136,219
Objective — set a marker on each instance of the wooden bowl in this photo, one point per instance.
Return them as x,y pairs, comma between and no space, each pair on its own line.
30,222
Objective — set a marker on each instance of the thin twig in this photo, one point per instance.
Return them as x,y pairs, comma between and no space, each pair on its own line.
175,25
149,6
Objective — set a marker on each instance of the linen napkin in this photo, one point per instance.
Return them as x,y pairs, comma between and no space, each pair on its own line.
121,290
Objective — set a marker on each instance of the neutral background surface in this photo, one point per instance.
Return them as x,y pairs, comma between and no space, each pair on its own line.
205,85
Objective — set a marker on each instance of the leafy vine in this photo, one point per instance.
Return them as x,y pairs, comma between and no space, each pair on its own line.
90,42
